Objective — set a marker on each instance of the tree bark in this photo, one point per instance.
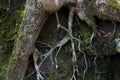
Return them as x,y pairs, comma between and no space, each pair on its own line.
35,17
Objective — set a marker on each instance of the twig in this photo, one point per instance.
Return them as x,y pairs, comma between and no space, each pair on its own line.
46,55
58,22
74,57
95,67
99,75
85,59
35,58
44,44
86,66
62,27
91,38
59,25
114,28
69,31
33,72
62,42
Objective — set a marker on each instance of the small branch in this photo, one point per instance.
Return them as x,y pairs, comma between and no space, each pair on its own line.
70,20
44,44
35,58
95,67
62,42
114,29
56,62
59,25
32,73
58,22
46,55
91,38
50,52
62,27
69,31
74,57
85,59
86,65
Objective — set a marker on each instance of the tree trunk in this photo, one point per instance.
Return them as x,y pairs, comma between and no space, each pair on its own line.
35,17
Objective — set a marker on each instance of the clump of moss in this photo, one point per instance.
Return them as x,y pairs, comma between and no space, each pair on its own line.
63,71
115,4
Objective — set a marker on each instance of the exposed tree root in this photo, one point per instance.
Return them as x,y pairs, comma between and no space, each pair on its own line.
35,58
74,57
69,37
96,78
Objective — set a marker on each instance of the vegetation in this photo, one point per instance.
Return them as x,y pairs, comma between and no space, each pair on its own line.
66,48
10,21
115,4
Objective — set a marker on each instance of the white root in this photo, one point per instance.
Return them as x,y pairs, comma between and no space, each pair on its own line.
74,57
86,66
35,58
59,45
95,67
68,37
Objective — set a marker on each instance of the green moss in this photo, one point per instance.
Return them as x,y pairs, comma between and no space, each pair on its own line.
64,70
114,4
55,76
68,50
15,55
10,21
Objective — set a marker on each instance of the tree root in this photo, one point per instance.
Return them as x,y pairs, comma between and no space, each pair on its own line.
69,37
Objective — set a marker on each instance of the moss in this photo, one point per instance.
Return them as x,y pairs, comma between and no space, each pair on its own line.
10,21
55,76
15,55
115,4
68,50
64,71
